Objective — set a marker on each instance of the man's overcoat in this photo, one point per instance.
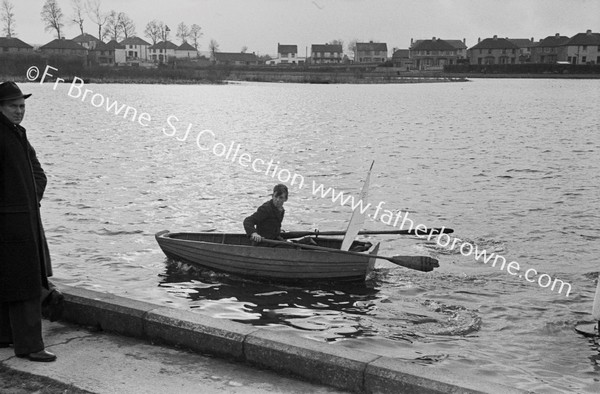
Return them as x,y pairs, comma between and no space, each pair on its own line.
24,257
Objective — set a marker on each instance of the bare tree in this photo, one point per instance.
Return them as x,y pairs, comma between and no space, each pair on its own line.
7,18
112,27
183,32
213,47
153,31
195,34
164,31
127,26
93,8
52,16
78,11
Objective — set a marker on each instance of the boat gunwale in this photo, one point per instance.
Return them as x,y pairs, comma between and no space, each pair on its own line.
263,270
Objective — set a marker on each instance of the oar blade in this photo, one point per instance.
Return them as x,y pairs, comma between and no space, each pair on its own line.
419,263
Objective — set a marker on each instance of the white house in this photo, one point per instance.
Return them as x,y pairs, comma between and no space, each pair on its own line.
135,49
287,54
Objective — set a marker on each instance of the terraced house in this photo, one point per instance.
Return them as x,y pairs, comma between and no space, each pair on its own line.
495,51
434,54
583,48
371,52
326,53
550,49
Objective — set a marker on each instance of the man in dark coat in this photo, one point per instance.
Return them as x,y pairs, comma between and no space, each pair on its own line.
266,221
24,257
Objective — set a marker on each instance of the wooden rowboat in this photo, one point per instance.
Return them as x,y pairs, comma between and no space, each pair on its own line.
233,253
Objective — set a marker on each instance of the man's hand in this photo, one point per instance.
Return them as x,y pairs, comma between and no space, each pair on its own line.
255,237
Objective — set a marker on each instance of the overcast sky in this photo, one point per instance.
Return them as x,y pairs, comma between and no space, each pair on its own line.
261,24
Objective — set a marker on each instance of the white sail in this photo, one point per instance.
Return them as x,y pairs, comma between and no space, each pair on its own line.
596,307
358,218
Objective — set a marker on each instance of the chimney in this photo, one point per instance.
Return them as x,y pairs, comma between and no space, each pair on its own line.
478,40
411,42
465,41
495,37
433,39
588,32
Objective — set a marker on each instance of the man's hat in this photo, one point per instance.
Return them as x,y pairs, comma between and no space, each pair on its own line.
10,91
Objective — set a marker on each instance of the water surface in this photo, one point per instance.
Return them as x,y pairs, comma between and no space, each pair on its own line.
512,165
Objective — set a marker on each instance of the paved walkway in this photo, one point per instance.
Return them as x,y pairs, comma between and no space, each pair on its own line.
108,363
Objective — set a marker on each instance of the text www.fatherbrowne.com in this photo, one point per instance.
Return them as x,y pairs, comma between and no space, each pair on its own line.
401,221
207,141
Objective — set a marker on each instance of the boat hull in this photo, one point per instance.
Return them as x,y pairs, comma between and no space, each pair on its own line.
234,254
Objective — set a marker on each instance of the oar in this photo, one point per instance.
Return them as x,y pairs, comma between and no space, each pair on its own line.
298,234
419,263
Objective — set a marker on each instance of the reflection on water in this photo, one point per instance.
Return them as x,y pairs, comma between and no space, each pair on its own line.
330,311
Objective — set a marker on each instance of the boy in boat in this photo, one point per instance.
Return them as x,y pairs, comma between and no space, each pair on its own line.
266,221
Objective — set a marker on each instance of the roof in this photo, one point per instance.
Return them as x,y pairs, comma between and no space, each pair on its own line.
287,48
101,46
522,42
134,41
163,45
185,47
587,38
458,44
495,43
553,41
401,54
63,44
113,44
433,45
85,37
13,42
371,46
326,48
236,57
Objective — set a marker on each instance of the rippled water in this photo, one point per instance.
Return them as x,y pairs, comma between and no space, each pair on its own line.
512,165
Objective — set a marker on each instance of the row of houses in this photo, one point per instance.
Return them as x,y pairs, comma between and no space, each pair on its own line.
582,48
429,54
130,51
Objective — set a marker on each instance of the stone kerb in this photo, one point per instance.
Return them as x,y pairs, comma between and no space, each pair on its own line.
197,332
326,364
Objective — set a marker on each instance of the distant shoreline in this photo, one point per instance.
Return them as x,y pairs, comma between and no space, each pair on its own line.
311,77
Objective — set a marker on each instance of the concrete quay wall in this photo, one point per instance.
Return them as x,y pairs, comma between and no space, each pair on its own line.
332,365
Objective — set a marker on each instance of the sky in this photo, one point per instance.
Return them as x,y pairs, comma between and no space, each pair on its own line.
260,24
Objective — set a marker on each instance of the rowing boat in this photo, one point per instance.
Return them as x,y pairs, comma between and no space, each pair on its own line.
234,253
